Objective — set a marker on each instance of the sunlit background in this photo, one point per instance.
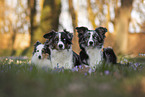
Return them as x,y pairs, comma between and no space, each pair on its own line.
23,22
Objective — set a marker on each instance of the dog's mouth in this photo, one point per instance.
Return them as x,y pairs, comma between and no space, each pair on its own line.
60,49
93,45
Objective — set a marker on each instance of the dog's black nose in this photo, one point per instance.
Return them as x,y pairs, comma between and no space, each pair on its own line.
39,57
60,46
91,42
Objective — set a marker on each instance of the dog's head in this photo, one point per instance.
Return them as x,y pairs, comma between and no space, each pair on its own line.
91,38
59,40
38,50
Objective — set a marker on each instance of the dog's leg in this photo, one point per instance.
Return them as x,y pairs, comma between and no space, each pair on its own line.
76,59
84,58
109,56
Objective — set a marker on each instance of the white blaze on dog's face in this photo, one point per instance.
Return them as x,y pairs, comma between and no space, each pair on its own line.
60,44
38,50
91,40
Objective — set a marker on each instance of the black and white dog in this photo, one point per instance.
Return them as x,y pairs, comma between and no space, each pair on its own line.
40,58
91,44
60,45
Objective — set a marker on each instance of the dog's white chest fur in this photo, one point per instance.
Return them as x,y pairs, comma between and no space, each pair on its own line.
95,56
41,62
63,58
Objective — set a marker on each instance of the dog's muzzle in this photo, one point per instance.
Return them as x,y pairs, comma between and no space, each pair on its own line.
39,57
60,46
91,43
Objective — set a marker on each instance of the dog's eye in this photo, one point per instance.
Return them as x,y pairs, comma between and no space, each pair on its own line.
88,36
37,51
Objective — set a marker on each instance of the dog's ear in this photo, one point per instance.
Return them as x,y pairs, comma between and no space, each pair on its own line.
66,31
81,30
37,43
101,31
70,35
49,35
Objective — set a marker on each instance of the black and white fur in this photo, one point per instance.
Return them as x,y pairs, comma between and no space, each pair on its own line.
91,44
60,45
109,56
40,58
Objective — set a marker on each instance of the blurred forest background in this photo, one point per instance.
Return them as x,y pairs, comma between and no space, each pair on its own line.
23,22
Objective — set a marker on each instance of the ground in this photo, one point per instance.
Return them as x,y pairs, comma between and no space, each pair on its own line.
18,78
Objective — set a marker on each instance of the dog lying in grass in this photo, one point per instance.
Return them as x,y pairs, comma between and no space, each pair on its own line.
40,58
60,45
91,43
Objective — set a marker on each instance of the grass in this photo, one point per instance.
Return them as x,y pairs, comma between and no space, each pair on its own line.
18,78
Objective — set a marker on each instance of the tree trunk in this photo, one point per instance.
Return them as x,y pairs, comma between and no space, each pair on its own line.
73,15
49,18
50,14
32,28
13,40
75,24
32,9
91,14
122,25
